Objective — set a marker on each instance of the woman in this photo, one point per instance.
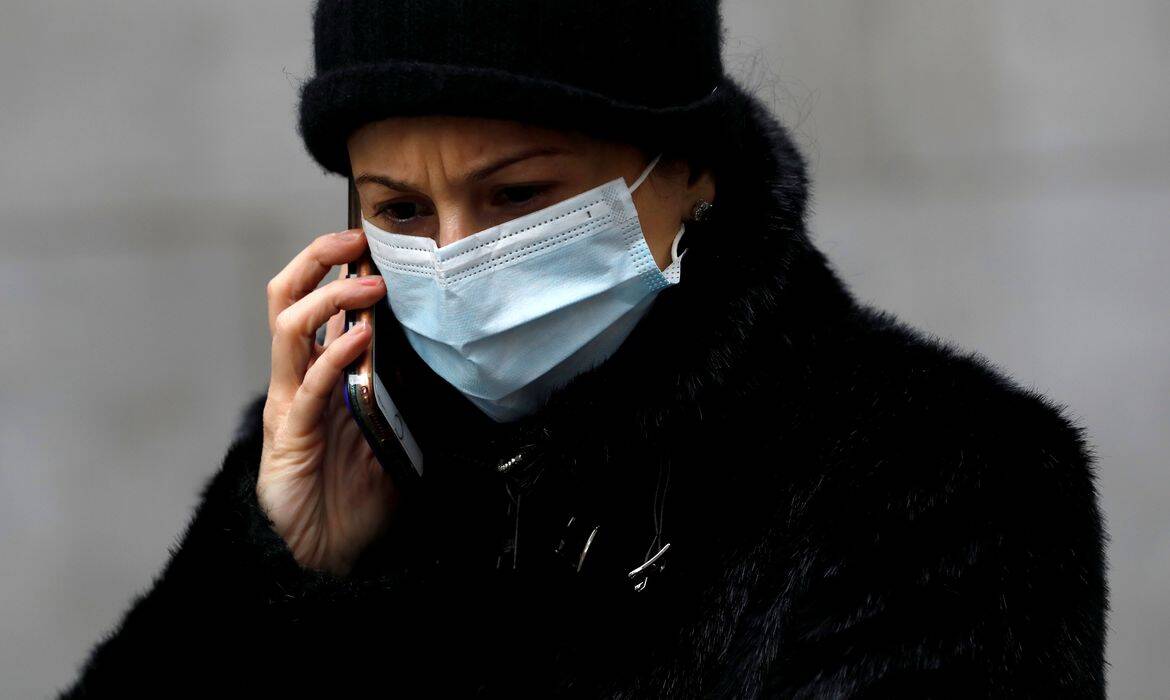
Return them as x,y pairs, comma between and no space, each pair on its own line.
668,454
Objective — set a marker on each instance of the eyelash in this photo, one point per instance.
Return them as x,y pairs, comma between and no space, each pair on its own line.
534,190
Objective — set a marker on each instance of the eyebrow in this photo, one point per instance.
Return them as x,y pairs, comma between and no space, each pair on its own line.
476,175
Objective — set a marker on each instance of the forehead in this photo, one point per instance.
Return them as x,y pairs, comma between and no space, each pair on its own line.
462,138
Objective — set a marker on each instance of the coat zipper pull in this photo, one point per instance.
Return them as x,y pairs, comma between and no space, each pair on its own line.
644,570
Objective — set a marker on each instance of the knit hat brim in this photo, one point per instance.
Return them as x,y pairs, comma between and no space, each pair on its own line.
336,103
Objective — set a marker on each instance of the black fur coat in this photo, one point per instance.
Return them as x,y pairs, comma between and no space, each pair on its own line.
853,509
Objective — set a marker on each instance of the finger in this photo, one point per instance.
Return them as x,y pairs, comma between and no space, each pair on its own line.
295,327
322,380
325,335
305,271
336,323
334,327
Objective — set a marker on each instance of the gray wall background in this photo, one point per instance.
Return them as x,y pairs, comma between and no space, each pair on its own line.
996,172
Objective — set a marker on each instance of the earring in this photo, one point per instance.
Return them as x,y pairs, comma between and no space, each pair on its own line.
702,211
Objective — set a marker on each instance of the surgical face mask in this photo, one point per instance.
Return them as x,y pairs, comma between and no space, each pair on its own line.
509,314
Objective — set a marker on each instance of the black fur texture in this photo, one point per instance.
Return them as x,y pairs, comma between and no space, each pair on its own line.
854,508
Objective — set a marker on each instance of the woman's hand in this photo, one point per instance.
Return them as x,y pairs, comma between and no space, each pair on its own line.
320,483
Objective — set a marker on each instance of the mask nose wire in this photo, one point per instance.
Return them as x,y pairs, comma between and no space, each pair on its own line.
645,173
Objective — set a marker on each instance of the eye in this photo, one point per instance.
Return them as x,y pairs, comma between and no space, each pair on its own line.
400,211
519,194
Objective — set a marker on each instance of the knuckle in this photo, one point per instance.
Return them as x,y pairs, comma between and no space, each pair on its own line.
328,359
333,294
273,288
285,323
304,391
325,371
322,240
321,368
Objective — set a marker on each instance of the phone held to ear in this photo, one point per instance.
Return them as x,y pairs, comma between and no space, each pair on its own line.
368,391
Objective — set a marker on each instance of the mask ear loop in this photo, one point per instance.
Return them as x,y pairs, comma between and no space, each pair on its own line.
674,254
673,271
645,173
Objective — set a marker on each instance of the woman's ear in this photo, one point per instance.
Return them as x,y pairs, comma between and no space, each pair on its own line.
690,181
700,186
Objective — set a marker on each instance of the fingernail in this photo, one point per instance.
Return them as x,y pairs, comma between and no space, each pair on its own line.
359,327
370,280
348,235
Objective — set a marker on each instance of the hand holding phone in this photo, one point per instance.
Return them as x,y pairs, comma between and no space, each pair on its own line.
326,493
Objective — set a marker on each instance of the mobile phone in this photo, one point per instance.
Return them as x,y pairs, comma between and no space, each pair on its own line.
373,384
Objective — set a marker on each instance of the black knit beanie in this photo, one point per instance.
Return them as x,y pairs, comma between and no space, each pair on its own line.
648,72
